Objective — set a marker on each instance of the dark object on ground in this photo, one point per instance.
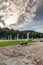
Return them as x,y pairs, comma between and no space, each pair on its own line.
23,43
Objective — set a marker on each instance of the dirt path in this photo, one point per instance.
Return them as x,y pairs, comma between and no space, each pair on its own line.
22,55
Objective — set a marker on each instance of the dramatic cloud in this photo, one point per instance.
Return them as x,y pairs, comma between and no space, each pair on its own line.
39,12
21,14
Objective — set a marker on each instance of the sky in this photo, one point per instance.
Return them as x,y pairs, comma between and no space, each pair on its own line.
22,14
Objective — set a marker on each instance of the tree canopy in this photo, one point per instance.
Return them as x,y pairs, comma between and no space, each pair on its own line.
6,33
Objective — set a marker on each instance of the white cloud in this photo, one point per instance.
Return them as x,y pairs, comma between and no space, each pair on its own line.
1,25
13,10
20,13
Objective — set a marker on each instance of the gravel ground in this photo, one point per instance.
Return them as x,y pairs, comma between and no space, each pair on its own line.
31,54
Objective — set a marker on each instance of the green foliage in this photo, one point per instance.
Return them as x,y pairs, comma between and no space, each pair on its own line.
6,33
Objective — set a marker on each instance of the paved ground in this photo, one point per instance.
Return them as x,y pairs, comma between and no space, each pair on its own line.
22,55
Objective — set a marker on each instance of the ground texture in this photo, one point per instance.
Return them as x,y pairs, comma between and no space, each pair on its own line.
31,54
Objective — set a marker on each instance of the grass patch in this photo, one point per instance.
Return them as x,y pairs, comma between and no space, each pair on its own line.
9,43
15,42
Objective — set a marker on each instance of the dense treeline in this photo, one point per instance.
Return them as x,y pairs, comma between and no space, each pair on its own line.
6,33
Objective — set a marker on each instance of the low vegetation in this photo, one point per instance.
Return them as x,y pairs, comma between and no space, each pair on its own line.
14,42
